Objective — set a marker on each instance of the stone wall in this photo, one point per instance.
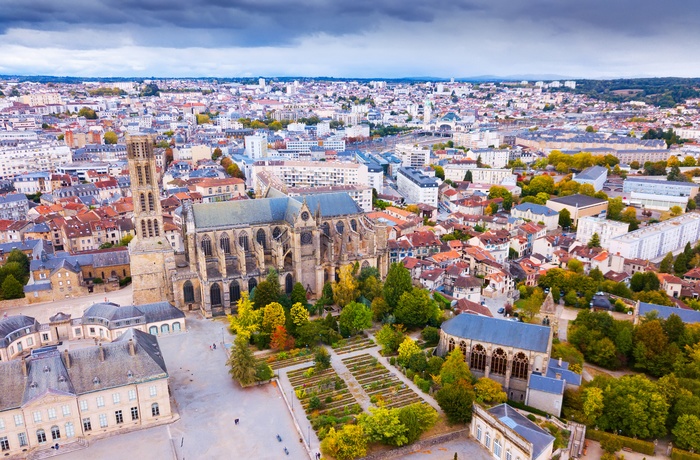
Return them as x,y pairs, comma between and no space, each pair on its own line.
418,446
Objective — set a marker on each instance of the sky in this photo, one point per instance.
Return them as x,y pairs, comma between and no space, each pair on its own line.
350,38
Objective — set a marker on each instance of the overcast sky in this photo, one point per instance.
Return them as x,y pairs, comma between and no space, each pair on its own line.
350,38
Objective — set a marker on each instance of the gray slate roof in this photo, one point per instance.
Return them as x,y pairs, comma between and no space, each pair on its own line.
112,314
493,330
548,385
688,316
15,323
539,438
536,209
578,200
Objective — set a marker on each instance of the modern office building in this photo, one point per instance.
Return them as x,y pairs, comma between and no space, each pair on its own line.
416,187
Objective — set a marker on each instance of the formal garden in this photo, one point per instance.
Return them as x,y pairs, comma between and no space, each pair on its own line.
351,344
286,358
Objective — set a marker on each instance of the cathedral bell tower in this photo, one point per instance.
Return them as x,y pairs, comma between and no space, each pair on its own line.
152,257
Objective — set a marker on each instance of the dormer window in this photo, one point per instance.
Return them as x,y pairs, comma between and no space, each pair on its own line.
96,381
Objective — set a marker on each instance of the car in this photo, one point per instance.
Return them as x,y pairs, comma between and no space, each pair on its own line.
514,319
501,311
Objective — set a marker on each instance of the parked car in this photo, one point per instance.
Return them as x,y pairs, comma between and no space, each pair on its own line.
501,311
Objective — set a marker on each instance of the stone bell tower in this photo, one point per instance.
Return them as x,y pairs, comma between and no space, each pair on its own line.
152,257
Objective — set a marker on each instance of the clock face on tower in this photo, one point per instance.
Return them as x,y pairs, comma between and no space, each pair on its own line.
305,216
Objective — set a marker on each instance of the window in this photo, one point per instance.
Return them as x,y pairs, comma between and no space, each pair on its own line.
2,424
70,430
55,433
4,444
19,421
487,441
116,398
22,438
52,413
478,433
87,425
215,295
497,448
152,390
509,456
84,405
134,413
37,417
206,246
477,360
100,401
30,341
188,291
41,436
499,361
520,366
155,410
119,417
45,337
225,244
132,395
103,420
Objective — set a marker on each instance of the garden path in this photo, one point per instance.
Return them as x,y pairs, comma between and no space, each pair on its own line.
353,385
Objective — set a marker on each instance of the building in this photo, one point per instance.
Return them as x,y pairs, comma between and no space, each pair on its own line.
413,156
456,171
493,176
416,187
310,174
579,206
256,146
23,157
151,254
595,176
657,240
606,230
507,434
54,397
537,213
13,206
496,158
660,187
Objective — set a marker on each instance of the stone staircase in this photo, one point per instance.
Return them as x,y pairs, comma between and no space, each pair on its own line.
48,452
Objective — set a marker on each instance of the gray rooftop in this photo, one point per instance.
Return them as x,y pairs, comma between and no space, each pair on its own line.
688,316
539,438
112,315
546,384
493,330
536,209
578,200
15,323
592,173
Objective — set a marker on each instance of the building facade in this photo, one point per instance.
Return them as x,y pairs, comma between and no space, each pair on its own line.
417,187
657,240
606,230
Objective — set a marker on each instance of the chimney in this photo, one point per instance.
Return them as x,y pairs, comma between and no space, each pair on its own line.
66,358
102,353
559,362
132,347
24,367
557,376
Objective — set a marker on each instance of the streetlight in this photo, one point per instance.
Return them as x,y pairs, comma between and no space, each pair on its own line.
291,398
309,436
222,336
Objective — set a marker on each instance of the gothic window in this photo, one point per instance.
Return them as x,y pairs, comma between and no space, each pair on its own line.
143,229
520,366
463,348
276,232
215,295
251,284
150,228
306,238
340,227
148,174
234,292
225,244
451,345
288,283
499,361
353,225
243,241
326,229
477,361
143,202
206,246
139,173
261,238
156,227
151,202
188,291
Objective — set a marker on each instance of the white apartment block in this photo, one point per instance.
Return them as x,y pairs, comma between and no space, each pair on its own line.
32,157
492,157
329,144
416,187
413,156
606,230
456,171
256,146
35,99
655,241
493,176
313,173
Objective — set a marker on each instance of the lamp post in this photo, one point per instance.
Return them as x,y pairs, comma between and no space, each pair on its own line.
222,336
291,398
309,436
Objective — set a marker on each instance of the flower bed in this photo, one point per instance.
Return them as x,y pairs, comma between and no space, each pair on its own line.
351,344
287,358
382,386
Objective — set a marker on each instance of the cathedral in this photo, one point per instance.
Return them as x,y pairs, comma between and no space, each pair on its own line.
230,246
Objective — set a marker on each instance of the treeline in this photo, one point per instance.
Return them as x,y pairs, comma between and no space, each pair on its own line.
662,92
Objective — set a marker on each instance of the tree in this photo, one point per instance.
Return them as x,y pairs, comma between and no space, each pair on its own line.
611,444
346,290
20,258
348,443
680,266
531,306
379,308
564,218
298,293
417,418
575,266
383,425
540,184
615,207
126,239
407,349
234,170
644,281
398,281
455,369
439,171
88,113
267,291
110,137
687,432
354,318
11,288
280,339
501,192
666,264
322,359
241,361
676,175
416,308
371,288
468,176
594,242
273,316
216,154
299,314
456,400
593,404
248,320
489,391
390,337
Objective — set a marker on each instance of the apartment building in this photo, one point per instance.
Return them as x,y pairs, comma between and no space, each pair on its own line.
23,157
413,156
13,206
417,187
496,158
312,173
660,187
606,230
328,144
493,176
657,240
537,213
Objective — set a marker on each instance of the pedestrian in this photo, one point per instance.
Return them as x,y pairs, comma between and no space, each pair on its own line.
236,421
210,347
214,345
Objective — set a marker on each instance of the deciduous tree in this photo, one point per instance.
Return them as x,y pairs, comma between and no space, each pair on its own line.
407,349
346,290
455,369
416,308
299,313
355,317
398,281
456,399
273,316
241,362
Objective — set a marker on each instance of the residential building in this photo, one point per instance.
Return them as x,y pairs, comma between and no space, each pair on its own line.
493,176
595,176
413,156
660,187
579,206
256,146
23,157
606,230
13,206
656,240
496,158
416,187
537,213
308,174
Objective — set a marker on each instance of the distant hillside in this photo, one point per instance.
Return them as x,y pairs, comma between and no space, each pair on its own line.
662,92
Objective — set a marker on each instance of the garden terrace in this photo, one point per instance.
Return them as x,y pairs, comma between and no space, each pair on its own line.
380,384
351,344
287,358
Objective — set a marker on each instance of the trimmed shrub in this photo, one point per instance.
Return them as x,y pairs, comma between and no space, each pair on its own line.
637,445
678,454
